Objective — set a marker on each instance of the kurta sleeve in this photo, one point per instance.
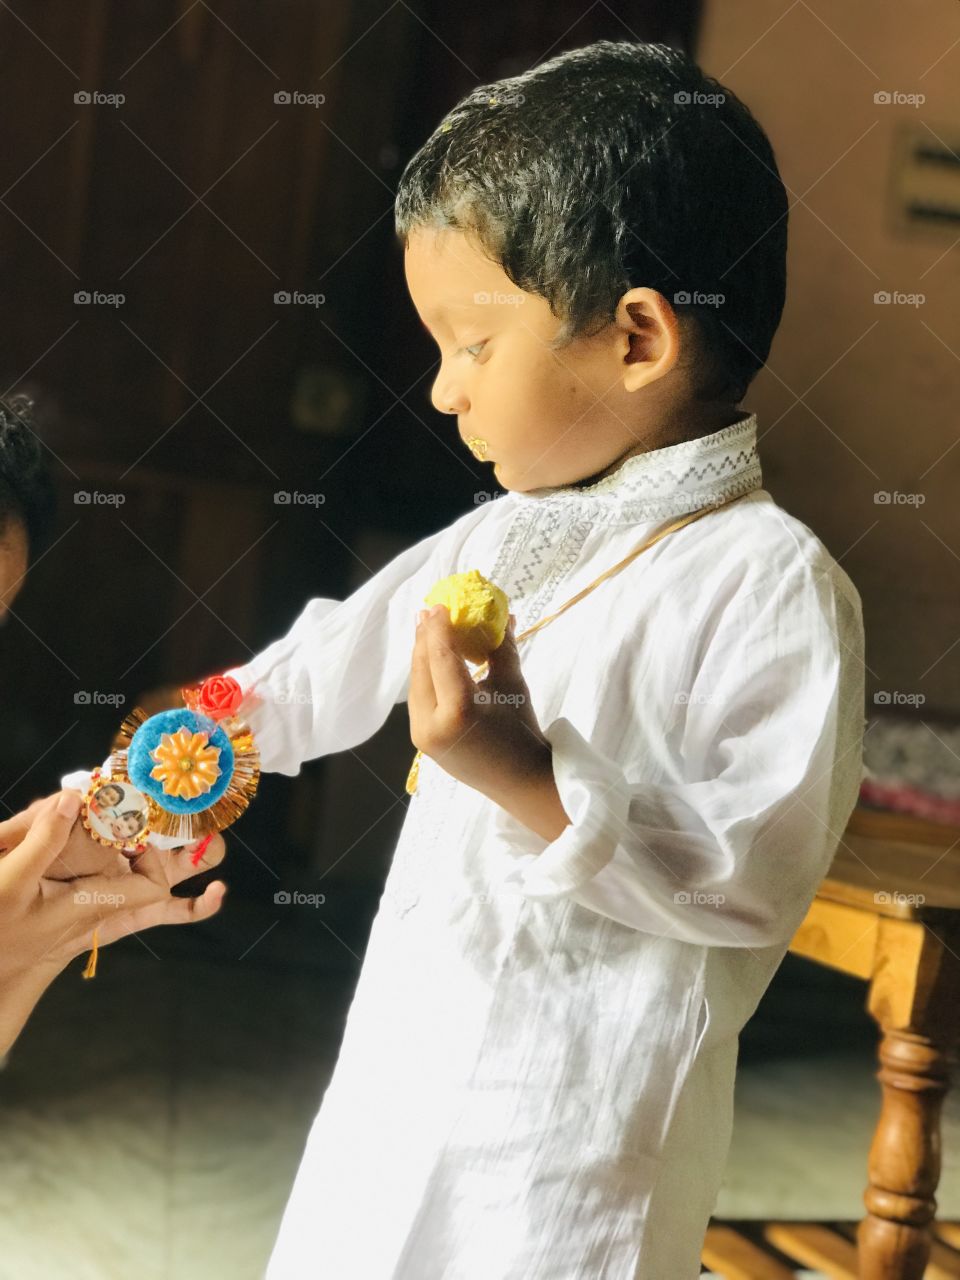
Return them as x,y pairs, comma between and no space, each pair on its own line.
726,847
331,681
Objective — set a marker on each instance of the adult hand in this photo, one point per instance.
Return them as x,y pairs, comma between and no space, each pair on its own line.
83,856
46,923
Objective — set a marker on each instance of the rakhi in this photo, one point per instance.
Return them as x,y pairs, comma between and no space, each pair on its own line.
184,773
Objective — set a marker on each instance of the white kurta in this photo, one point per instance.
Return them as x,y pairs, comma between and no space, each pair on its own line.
536,1074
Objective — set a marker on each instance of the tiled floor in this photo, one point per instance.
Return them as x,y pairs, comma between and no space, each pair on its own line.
152,1119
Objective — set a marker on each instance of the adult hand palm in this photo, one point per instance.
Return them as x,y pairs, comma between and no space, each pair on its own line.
48,920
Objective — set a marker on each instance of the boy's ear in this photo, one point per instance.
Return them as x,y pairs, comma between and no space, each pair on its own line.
648,337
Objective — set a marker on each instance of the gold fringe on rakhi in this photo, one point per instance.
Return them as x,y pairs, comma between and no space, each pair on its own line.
241,789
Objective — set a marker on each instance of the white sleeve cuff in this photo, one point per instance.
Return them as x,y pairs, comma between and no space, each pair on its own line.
596,798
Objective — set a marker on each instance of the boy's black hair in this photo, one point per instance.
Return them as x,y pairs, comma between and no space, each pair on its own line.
26,486
612,166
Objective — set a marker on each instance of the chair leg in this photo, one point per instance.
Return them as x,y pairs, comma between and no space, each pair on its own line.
893,1240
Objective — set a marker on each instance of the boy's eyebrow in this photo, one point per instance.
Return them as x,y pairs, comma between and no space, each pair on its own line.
450,304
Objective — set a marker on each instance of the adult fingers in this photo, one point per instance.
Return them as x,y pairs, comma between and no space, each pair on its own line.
168,911
14,828
74,908
42,843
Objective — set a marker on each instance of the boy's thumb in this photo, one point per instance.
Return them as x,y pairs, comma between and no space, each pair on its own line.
505,660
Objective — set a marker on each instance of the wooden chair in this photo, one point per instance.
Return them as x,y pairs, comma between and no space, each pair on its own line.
888,912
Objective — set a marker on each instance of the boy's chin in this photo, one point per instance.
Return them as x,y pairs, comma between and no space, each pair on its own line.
516,484
507,480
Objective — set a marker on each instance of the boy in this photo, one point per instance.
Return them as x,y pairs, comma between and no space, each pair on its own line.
612,842
603,865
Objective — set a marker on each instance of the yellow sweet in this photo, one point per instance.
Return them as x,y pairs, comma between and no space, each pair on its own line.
479,612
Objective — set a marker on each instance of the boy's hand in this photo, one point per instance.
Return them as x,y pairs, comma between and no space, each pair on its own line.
483,733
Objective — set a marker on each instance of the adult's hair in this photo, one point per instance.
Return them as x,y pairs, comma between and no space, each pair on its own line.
26,486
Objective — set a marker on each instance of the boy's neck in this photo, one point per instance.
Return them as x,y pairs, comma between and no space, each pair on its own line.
696,420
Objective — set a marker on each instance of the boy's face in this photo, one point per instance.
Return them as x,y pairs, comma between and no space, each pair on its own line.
125,827
549,418
106,797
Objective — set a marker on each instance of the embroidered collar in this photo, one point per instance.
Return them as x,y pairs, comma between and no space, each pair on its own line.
662,482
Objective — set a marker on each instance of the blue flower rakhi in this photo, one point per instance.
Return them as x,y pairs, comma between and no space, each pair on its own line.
192,770
180,774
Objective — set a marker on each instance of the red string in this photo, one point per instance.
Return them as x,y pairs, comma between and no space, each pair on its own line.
200,850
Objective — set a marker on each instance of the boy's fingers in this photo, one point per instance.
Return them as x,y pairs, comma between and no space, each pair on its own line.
504,662
421,694
170,866
451,678
214,852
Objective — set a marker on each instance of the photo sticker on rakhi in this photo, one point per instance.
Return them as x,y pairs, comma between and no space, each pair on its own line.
116,813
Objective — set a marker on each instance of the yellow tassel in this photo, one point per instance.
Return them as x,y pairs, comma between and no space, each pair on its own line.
414,774
91,970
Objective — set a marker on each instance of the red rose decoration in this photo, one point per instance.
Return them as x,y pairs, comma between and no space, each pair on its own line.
219,697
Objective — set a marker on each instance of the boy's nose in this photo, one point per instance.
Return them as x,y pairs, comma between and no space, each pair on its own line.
447,398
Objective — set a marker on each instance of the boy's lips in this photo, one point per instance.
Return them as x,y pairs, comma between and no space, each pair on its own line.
478,447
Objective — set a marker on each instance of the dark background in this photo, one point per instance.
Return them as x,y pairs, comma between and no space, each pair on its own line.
198,398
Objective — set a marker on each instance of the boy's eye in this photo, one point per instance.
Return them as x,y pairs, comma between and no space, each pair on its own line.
474,350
